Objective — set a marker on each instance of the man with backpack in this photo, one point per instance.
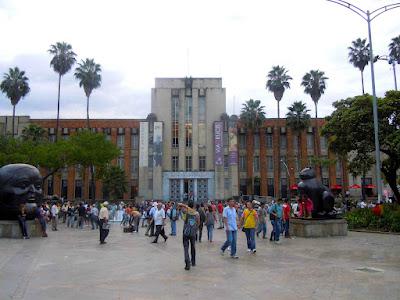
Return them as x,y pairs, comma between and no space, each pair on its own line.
173,217
191,220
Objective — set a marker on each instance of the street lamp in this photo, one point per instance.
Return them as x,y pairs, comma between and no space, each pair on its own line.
392,62
288,181
369,17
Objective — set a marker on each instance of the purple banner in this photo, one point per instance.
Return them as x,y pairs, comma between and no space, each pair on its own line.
233,149
218,142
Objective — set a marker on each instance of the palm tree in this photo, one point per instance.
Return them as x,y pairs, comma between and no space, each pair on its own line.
359,56
252,117
394,54
88,74
278,81
15,85
298,119
62,61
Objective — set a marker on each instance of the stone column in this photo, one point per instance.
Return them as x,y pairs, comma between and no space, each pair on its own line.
195,190
181,189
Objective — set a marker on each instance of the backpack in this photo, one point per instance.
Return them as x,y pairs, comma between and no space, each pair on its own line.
190,226
202,216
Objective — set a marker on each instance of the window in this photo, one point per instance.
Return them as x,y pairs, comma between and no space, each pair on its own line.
188,135
256,164
296,143
78,188
150,161
202,109
270,163
325,168
175,121
150,184
282,161
202,163
283,141
269,141
134,165
64,188
310,141
297,164
135,141
227,184
188,163
284,187
242,163
188,110
226,163
242,141
339,181
325,181
270,187
121,141
256,141
338,166
52,139
175,163
50,186
120,162
324,143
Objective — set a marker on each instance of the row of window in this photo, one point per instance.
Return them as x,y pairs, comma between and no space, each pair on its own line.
188,163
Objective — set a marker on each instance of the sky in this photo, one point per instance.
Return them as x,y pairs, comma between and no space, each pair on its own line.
137,41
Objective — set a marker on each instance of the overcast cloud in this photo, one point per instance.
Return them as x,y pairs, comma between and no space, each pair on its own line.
136,41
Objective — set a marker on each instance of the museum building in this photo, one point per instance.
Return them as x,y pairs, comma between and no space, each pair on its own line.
188,147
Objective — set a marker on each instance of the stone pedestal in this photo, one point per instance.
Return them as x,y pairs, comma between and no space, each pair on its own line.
11,229
318,228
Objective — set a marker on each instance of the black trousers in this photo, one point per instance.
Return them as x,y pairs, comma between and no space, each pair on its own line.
192,241
22,225
103,232
200,233
160,230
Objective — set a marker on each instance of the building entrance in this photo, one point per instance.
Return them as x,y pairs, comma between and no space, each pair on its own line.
186,189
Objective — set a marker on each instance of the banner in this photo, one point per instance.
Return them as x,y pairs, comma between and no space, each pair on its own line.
233,148
218,142
157,144
144,145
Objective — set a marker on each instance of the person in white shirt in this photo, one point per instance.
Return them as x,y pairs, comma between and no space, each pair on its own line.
363,204
54,216
103,223
159,222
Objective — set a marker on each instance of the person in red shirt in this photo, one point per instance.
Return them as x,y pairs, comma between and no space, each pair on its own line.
286,217
378,210
220,209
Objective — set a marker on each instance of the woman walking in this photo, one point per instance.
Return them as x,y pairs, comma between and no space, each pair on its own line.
210,222
249,221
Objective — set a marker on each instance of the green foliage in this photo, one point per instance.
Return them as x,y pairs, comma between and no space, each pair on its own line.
350,130
278,81
394,49
314,83
298,118
359,53
15,85
114,182
252,114
34,133
88,74
365,219
63,57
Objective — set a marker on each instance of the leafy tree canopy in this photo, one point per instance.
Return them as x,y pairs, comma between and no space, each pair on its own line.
114,181
252,114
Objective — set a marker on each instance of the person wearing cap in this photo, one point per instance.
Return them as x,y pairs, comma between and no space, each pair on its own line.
103,222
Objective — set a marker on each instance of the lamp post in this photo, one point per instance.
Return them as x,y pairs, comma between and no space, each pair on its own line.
391,61
288,181
369,17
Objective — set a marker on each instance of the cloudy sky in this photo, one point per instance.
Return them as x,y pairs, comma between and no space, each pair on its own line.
136,41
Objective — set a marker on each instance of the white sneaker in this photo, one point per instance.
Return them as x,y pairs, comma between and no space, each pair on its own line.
278,242
254,250
248,250
234,256
229,248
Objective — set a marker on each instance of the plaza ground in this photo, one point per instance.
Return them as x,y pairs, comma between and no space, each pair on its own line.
70,264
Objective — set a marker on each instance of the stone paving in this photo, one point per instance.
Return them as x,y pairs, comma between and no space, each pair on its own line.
70,264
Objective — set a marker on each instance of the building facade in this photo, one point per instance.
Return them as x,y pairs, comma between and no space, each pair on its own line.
189,148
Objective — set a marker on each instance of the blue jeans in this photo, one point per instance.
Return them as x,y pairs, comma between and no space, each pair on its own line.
70,221
277,228
210,229
251,238
231,238
262,227
173,227
286,228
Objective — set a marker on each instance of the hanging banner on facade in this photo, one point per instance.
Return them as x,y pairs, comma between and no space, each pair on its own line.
233,148
157,144
218,142
144,145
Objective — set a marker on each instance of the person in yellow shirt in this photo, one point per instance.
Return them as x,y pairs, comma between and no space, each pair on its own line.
249,222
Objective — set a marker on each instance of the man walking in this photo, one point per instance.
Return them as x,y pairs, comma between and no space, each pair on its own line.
159,222
173,216
94,219
220,209
191,220
103,223
151,220
286,217
81,215
277,212
262,221
54,216
230,222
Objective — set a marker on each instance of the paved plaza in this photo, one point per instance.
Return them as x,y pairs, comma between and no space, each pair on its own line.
70,264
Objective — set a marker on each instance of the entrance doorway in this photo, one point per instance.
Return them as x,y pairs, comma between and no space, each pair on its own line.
188,189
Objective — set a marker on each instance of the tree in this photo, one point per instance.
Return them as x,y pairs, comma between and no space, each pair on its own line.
34,133
278,81
314,83
88,74
298,119
114,182
252,116
350,130
394,49
62,61
359,56
15,85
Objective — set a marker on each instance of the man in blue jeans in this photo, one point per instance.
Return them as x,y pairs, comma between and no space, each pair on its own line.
277,212
230,220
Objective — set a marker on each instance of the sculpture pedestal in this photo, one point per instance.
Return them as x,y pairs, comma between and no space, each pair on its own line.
11,229
318,228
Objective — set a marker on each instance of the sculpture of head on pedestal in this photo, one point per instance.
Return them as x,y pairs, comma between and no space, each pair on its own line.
19,184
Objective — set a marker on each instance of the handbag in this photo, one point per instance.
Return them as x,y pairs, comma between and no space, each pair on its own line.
106,226
243,229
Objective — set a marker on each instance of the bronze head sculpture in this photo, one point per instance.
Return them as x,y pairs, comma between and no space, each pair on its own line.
320,195
19,184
